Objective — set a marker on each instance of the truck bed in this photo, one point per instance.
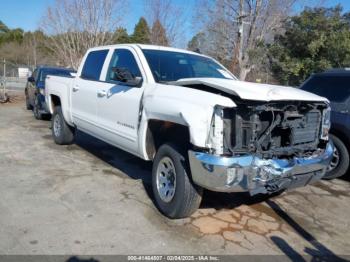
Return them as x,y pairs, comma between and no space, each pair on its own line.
60,86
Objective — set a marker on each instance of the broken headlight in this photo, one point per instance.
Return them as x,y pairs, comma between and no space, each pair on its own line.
215,139
326,123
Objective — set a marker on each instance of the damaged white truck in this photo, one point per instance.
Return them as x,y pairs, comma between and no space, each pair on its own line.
201,127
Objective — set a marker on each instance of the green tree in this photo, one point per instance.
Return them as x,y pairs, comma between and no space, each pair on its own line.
3,28
158,34
8,35
121,36
313,41
141,33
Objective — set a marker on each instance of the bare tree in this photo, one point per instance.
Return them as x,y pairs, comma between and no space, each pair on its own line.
76,25
158,35
170,16
241,28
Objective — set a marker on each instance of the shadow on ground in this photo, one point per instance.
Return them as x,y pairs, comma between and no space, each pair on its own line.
79,259
319,253
138,169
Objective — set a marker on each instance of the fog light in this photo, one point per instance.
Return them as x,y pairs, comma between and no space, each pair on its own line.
234,176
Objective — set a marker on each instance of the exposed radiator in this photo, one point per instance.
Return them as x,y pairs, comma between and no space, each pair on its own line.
308,130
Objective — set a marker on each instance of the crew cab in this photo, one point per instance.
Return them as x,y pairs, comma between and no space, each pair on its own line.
201,127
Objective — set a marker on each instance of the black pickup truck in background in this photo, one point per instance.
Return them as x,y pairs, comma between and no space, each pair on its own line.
335,85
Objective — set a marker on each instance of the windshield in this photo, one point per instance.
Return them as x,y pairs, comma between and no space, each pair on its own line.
55,72
171,66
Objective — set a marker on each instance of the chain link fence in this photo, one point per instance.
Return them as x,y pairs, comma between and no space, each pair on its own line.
13,79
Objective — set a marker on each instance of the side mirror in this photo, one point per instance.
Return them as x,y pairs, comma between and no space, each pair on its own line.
124,75
136,82
31,79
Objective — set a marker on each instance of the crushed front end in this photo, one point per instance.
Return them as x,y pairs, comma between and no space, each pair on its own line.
264,147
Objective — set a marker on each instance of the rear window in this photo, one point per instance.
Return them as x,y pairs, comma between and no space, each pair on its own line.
335,88
93,65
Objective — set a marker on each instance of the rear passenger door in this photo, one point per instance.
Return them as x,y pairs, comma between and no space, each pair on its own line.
85,91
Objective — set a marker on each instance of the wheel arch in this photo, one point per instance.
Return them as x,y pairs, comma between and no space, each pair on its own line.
342,135
159,132
56,100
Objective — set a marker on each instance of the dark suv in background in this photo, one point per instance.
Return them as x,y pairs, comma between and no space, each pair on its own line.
335,85
35,89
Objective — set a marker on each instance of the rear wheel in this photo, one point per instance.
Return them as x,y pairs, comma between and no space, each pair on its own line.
175,194
340,162
62,133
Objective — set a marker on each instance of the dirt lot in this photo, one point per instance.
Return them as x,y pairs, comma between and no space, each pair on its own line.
91,198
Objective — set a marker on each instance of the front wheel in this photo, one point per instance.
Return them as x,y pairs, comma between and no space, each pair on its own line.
175,194
36,110
62,133
340,162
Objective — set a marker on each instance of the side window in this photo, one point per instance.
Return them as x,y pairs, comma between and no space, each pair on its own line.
93,65
123,58
40,76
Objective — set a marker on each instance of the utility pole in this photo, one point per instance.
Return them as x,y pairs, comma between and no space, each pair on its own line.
239,43
4,98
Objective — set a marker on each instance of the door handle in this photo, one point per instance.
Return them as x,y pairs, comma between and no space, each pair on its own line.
75,88
101,93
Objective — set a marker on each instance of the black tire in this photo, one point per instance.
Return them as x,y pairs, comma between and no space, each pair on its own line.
187,196
28,105
340,167
36,109
62,133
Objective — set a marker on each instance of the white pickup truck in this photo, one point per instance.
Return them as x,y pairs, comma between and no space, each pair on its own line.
201,127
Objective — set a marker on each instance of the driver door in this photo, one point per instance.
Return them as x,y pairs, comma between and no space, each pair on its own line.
118,106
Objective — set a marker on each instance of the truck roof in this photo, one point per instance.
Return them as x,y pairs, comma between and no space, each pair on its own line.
335,72
144,46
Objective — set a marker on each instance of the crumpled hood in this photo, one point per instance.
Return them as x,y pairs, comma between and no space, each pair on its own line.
253,91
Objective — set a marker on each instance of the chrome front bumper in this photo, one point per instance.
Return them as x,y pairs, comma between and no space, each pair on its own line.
255,175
